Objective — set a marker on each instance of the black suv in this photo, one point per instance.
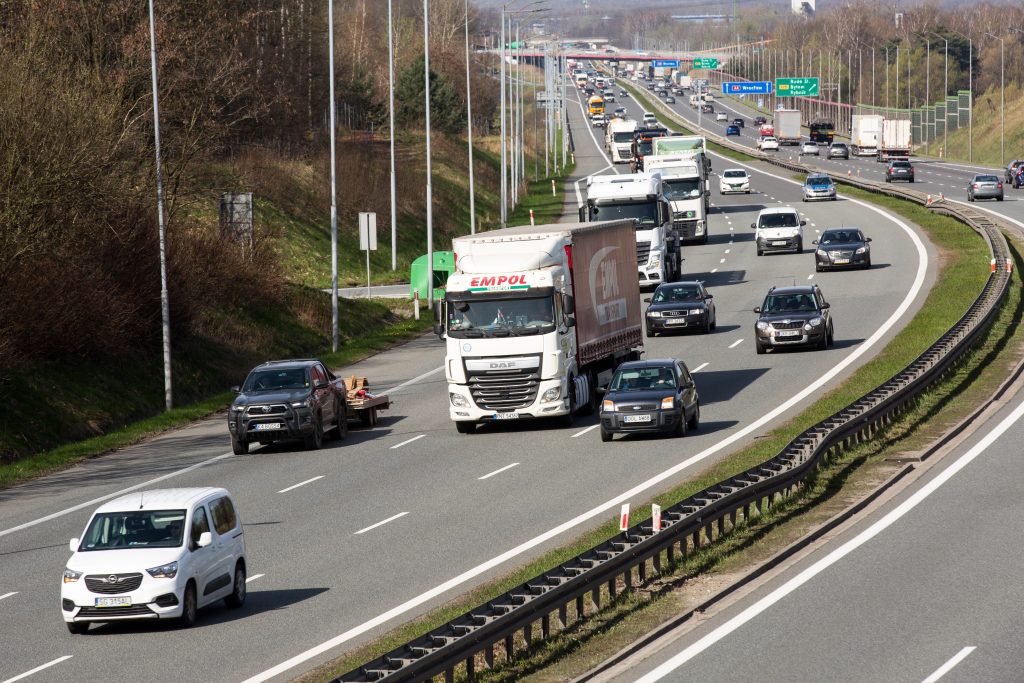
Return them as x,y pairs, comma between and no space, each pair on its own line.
287,399
899,169
793,316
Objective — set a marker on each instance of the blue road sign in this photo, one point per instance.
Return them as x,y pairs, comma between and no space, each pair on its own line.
747,88
661,63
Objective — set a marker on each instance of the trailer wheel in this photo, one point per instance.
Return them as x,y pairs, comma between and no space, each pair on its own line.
369,417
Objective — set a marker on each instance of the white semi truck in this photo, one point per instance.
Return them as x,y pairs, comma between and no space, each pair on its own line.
619,140
895,140
865,131
788,127
536,318
639,197
685,186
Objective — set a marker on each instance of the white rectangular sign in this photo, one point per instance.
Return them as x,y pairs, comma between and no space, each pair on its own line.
367,231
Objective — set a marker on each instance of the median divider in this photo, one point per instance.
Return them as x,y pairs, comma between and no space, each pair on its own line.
564,595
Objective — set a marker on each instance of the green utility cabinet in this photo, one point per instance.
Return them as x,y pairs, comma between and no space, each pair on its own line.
444,265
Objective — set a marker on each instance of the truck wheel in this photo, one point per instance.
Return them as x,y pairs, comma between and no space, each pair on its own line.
314,441
341,429
591,406
465,427
239,446
568,419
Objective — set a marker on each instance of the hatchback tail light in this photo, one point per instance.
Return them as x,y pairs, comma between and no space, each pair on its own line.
975,186
999,185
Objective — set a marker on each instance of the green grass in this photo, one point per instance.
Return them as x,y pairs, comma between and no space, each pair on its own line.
959,284
987,129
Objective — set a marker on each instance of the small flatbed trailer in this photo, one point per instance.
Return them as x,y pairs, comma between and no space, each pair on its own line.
361,403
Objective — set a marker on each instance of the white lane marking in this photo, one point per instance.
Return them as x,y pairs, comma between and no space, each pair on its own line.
735,343
38,669
582,432
714,270
726,251
700,367
408,441
7,595
597,145
991,211
811,276
499,471
115,494
603,508
414,380
722,261
381,523
254,577
301,483
839,553
948,666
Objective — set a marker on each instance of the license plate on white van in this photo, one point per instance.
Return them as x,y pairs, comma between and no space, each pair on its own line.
779,243
122,601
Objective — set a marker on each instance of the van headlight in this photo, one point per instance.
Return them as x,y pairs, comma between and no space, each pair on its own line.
458,400
71,576
655,261
551,394
164,571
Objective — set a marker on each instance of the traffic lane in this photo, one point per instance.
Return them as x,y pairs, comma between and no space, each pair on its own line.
905,597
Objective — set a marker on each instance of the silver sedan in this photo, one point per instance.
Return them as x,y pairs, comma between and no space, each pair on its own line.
985,187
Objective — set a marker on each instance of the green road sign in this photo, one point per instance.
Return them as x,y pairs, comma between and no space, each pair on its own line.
796,87
705,63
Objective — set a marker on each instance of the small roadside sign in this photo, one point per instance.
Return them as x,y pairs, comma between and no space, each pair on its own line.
367,240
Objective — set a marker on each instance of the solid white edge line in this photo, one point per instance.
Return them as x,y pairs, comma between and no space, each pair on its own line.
380,523
454,582
735,343
948,666
700,367
254,577
7,595
115,494
408,441
414,380
584,431
38,669
301,483
498,471
839,553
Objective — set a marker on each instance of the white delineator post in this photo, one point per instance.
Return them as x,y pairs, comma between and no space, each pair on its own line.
655,518
624,517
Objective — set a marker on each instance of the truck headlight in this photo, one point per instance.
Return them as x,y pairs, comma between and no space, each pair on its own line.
307,403
654,261
166,571
71,576
551,394
237,409
458,400
607,406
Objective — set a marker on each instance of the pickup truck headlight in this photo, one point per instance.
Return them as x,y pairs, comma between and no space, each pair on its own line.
458,400
166,571
551,394
306,403
71,576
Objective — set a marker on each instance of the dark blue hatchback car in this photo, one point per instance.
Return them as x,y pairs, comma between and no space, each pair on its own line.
732,129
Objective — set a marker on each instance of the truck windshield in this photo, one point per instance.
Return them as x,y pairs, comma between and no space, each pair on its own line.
623,137
500,317
683,188
644,147
644,213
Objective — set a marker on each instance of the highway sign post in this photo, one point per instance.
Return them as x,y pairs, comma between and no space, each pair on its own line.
797,87
367,240
705,63
747,88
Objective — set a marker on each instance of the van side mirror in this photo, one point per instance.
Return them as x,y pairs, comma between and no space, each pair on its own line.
73,545
205,539
753,226
803,222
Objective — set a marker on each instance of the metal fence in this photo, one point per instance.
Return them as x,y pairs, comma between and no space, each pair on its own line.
563,596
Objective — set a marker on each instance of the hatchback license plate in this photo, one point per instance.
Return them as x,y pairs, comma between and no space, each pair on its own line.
268,426
114,602
787,333
779,243
506,416
636,418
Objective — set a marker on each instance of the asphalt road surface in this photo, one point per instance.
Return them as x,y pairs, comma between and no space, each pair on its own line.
403,517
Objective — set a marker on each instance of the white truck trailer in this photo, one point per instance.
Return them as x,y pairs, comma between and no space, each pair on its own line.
895,141
536,318
639,197
787,127
685,186
619,140
865,130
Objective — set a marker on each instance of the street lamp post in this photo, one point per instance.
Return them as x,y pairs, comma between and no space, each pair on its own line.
1002,98
469,131
970,89
391,114
945,94
430,187
334,201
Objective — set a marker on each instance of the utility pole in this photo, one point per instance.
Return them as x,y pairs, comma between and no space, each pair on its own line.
469,132
334,196
391,114
430,188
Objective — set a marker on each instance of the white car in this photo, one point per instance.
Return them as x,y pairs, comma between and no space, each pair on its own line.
779,228
650,118
598,120
810,148
721,116
159,554
734,180
768,142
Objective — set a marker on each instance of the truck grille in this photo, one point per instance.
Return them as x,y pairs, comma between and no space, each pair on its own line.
643,252
123,583
275,409
504,390
687,228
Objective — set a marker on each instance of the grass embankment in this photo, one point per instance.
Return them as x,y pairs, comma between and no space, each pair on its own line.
987,128
960,281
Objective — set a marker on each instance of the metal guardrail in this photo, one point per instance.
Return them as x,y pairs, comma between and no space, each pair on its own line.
573,591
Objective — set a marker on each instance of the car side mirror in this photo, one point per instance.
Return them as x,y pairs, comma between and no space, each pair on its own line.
73,545
757,309
237,389
826,305
601,391
868,239
205,539
802,223
319,384
709,296
814,241
647,300
753,227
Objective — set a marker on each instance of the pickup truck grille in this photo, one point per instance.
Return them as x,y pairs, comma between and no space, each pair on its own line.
643,252
261,411
504,390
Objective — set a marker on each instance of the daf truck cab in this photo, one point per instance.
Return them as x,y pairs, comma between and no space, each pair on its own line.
641,198
685,186
619,140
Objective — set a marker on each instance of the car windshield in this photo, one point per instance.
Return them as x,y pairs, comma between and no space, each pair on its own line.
769,140
500,317
683,188
135,529
644,213
677,293
789,303
986,179
839,145
840,236
778,220
276,379
643,379
818,180
735,174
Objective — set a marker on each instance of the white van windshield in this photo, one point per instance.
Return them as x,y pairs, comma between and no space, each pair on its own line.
135,529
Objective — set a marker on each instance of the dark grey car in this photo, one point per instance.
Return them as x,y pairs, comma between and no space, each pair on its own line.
793,316
657,395
985,187
679,307
842,248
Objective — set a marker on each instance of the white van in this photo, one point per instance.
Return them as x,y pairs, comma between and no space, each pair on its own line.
779,229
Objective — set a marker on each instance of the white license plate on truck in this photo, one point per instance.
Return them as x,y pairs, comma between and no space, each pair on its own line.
636,418
506,416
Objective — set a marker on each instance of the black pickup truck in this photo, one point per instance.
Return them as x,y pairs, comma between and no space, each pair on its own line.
288,399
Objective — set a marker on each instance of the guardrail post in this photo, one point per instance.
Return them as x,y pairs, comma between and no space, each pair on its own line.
642,572
580,606
612,587
510,647
596,597
449,675
657,563
471,666
563,617
528,634
545,626
489,656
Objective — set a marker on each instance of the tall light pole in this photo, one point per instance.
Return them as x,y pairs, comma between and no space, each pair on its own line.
970,88
165,302
334,196
391,113
469,132
1002,98
430,188
945,94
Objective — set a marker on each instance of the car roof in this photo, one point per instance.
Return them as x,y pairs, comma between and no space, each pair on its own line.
730,170
817,176
793,289
648,363
776,209
289,363
688,283
160,499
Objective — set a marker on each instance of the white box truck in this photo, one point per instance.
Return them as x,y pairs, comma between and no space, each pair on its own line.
639,197
865,130
536,318
693,146
685,186
619,140
895,140
787,126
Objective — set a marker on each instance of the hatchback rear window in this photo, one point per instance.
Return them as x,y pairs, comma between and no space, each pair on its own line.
901,164
986,179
